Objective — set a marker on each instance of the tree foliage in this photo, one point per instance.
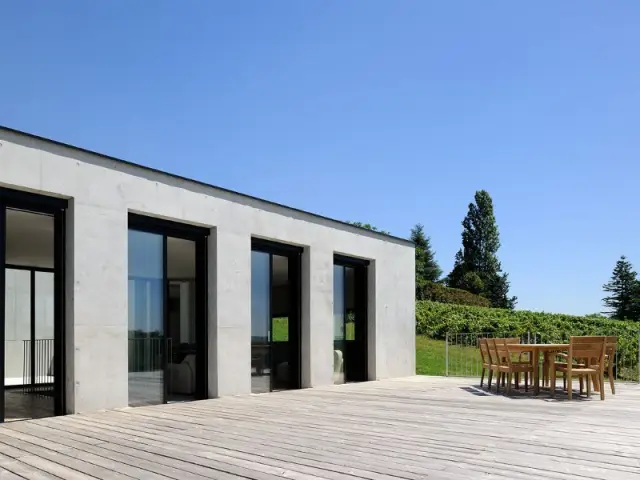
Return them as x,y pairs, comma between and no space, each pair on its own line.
437,292
477,268
427,268
623,300
368,226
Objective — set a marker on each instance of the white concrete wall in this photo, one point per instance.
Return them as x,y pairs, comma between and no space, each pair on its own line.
103,191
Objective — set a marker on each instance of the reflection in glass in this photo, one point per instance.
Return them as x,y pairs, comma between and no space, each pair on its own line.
338,324
260,322
147,346
350,303
181,275
280,348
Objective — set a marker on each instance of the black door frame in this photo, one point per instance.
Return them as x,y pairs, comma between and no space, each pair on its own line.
55,207
360,371
198,235
294,256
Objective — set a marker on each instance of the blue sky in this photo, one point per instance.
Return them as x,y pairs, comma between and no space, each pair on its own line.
388,112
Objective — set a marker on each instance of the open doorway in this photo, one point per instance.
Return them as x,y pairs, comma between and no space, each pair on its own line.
32,306
350,320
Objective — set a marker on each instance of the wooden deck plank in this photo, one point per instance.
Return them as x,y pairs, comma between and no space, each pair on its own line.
413,428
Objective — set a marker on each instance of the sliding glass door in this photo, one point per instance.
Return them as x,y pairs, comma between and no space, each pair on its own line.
167,311
147,342
275,317
350,320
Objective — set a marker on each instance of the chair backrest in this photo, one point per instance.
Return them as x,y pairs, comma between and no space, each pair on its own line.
502,351
588,347
512,340
493,354
484,350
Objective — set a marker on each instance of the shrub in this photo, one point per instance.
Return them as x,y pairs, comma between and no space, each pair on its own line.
437,319
439,293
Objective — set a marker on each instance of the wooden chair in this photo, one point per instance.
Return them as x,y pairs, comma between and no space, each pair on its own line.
522,357
495,362
507,367
487,364
583,348
610,359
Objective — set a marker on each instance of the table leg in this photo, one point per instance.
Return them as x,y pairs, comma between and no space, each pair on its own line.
536,371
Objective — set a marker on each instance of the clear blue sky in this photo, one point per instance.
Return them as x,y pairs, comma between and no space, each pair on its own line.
388,112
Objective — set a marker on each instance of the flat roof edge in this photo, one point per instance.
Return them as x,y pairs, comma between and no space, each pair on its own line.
339,223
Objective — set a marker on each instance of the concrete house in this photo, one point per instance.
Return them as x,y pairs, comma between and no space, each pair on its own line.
122,285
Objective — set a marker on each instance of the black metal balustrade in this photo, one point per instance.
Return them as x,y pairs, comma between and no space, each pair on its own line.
37,370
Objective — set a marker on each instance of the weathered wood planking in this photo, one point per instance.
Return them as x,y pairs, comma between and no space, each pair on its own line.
414,428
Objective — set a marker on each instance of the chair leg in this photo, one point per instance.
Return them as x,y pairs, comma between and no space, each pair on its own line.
611,380
504,380
589,385
517,375
553,382
564,382
526,381
482,377
601,384
489,379
498,379
569,387
581,380
509,381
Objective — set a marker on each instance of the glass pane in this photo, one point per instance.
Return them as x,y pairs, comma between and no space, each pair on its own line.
338,324
17,327
44,311
350,303
147,345
181,273
260,322
280,322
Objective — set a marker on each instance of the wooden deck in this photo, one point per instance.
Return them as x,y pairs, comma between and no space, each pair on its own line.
416,428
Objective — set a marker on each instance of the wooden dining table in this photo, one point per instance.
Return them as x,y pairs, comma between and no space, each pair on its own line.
535,349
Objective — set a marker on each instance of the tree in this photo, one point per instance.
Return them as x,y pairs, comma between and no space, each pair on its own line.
368,226
477,268
427,268
624,290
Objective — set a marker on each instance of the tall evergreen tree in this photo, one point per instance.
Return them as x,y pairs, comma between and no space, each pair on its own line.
477,268
427,268
624,292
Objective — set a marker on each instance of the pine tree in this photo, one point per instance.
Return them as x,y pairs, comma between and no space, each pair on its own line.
477,268
427,268
624,290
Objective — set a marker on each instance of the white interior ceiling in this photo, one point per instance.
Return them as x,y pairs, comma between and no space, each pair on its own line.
29,239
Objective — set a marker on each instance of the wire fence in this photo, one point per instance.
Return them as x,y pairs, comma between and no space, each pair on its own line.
463,359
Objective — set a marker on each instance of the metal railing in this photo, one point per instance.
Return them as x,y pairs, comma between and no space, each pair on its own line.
37,370
149,354
463,359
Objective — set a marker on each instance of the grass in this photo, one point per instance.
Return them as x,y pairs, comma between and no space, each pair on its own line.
281,330
430,358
